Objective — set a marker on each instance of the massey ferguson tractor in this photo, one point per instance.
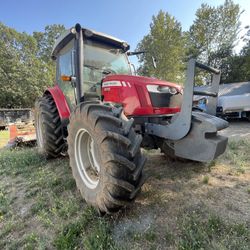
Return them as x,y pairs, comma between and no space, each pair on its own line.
103,114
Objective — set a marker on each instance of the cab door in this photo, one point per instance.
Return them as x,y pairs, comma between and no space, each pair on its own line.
65,67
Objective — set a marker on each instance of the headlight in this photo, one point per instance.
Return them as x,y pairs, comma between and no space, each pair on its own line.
165,89
162,89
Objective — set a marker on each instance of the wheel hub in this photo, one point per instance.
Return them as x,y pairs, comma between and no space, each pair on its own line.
39,131
87,158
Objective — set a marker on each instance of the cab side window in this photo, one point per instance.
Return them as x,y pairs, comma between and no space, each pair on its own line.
65,66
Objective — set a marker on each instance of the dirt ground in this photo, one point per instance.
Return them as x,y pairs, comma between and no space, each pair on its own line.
181,206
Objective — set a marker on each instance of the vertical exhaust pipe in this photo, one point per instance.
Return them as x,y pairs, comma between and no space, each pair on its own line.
79,63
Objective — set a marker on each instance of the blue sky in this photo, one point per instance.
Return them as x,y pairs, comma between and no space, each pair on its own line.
128,20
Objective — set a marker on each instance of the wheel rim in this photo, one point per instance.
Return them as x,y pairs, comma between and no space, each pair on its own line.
86,157
39,132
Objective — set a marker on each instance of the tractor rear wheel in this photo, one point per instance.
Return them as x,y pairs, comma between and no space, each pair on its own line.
48,125
105,156
248,115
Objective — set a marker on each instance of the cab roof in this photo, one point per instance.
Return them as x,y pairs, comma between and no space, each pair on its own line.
69,34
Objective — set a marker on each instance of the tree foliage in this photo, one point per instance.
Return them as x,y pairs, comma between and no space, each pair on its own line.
165,42
239,65
214,34
25,70
211,39
46,40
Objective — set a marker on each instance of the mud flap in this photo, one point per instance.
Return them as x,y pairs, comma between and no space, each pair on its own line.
202,143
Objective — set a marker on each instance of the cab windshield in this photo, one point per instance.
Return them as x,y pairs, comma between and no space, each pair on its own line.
101,60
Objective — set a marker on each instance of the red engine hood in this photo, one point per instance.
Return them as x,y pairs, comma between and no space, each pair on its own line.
132,93
142,80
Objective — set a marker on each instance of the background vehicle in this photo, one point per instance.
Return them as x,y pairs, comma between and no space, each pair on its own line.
106,114
233,100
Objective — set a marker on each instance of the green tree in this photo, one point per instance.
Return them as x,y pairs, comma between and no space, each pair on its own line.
213,35
239,65
46,40
166,43
23,76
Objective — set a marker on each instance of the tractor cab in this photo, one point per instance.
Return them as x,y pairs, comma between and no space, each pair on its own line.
84,59
93,65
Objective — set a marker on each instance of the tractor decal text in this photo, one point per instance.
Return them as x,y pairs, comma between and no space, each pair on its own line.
112,84
116,84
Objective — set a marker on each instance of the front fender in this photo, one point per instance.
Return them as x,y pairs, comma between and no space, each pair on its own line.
60,101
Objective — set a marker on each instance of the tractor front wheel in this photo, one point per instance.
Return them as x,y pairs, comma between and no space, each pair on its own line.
105,156
49,135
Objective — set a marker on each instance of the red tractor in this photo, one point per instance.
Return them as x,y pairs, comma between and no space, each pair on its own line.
103,115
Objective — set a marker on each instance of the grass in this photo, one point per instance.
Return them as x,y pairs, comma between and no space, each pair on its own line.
41,208
47,210
205,179
88,231
212,233
4,137
238,155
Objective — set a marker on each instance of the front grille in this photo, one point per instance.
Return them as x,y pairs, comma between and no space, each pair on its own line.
165,100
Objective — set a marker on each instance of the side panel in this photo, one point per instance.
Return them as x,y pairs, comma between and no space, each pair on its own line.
60,100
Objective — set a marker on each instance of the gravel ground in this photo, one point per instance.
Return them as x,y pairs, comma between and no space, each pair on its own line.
238,129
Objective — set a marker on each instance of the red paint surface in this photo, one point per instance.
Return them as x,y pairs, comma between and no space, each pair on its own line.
134,97
61,103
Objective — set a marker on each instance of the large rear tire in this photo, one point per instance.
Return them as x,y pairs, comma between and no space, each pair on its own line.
105,156
48,125
248,115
